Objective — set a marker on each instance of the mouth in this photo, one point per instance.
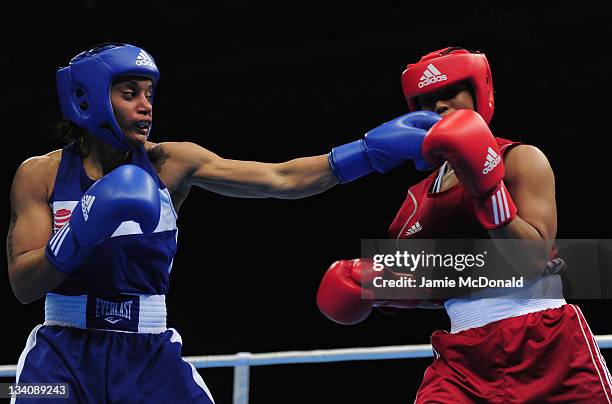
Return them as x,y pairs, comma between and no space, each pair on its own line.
142,127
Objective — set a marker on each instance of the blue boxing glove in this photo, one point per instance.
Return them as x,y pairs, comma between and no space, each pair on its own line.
128,193
384,147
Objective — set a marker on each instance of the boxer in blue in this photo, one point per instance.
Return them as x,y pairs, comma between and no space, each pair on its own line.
93,228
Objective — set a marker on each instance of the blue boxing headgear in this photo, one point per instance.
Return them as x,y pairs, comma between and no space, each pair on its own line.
84,87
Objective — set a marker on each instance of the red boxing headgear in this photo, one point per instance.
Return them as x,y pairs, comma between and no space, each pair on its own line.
446,67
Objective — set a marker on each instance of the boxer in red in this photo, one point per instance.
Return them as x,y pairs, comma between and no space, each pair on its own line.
517,350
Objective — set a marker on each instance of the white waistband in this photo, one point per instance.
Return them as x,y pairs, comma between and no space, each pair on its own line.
130,313
490,305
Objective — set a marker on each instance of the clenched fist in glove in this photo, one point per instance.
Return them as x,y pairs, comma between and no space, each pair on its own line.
346,294
464,139
384,147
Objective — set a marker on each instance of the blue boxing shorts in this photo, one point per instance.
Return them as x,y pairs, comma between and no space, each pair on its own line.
109,351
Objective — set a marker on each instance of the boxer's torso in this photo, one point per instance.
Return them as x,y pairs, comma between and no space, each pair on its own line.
129,262
439,207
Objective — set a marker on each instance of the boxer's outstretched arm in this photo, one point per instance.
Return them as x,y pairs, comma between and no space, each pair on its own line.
30,274
381,149
249,179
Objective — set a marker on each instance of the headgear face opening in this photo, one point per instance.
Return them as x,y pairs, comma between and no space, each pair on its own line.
84,87
446,67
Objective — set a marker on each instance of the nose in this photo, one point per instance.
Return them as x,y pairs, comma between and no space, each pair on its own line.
144,105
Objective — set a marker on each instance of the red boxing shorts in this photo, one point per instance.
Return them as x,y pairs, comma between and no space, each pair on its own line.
549,356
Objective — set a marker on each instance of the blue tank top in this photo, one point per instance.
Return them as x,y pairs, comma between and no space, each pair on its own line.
129,262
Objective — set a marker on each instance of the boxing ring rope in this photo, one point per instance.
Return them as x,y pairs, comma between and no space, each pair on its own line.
242,361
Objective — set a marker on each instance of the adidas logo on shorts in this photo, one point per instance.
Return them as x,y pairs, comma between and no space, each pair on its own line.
414,228
86,204
431,75
493,159
143,59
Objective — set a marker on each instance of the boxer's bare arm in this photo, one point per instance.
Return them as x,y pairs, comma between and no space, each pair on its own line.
531,182
192,164
30,274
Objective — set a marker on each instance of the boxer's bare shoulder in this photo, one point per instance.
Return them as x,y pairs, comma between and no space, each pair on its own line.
158,154
163,158
38,173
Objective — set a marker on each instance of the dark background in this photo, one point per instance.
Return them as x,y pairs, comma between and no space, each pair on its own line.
271,81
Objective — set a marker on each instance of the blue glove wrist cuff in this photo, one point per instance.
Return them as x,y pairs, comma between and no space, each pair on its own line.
63,251
422,165
350,161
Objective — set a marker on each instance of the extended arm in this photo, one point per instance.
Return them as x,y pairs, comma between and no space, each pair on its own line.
381,149
250,179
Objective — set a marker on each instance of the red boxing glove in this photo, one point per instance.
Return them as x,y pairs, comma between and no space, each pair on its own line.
340,293
346,296
464,139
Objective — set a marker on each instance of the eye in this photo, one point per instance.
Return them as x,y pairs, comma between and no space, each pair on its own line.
427,102
128,94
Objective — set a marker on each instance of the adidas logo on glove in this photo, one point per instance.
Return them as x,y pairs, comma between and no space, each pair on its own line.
493,159
431,75
86,204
